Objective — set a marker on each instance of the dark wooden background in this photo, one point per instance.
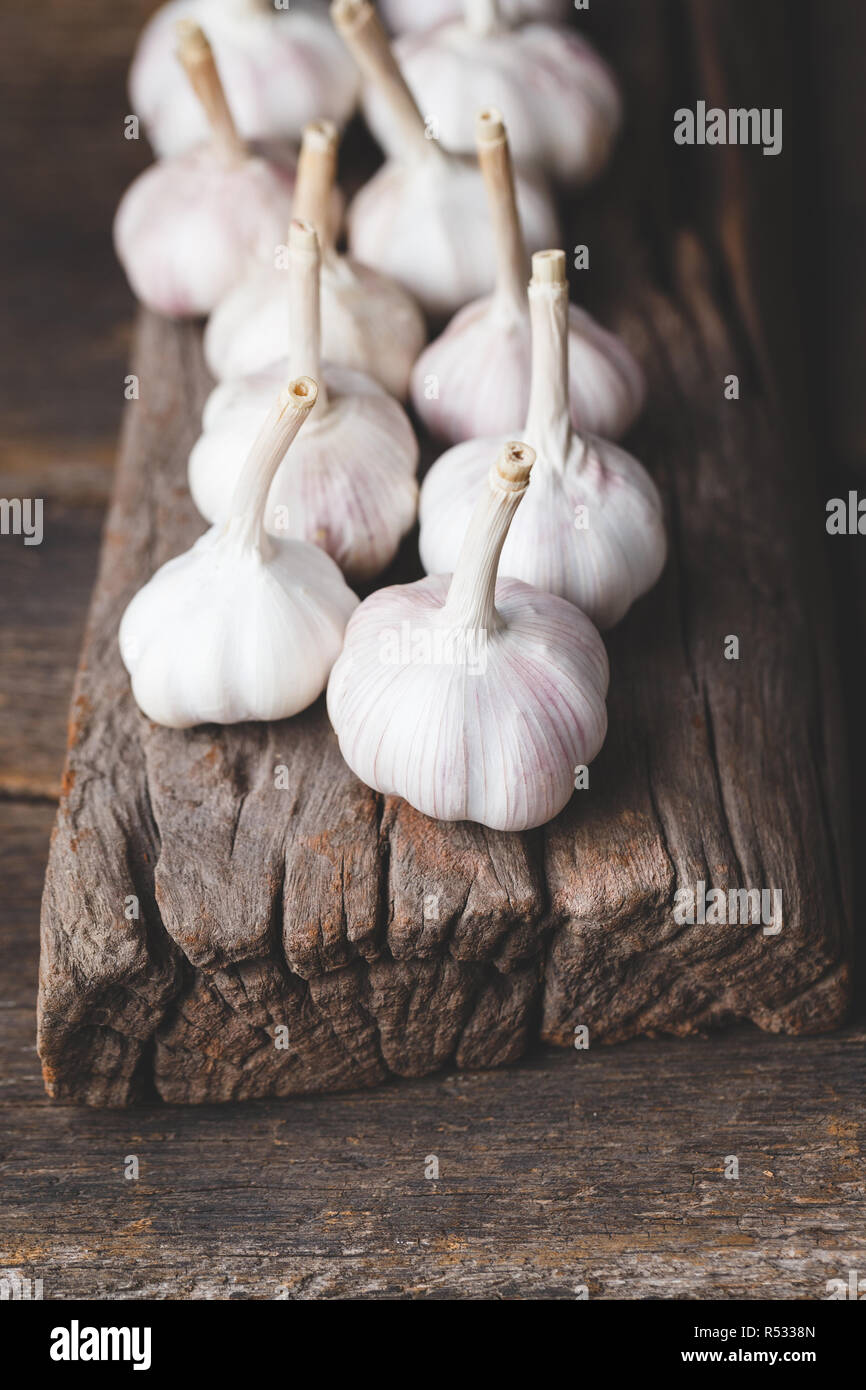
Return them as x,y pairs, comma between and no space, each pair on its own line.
602,1169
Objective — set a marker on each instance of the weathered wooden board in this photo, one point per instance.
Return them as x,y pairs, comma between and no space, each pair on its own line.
601,1168
389,944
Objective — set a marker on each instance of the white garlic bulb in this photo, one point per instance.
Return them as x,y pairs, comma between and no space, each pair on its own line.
189,228
591,528
281,68
412,16
241,626
369,323
559,98
422,218
471,697
473,380
349,483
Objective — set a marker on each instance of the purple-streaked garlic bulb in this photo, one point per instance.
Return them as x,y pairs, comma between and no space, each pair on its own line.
189,228
422,218
369,323
591,528
349,485
242,626
281,67
558,97
473,380
473,697
412,16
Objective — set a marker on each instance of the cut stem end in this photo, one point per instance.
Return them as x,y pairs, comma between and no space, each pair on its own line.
246,524
471,598
302,393
513,467
548,268
305,327
349,15
489,126
302,236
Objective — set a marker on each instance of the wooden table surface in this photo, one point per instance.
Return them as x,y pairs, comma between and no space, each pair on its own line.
602,1170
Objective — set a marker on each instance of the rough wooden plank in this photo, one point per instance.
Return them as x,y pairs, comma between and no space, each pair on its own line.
324,1197
601,1168
702,785
25,829
388,944
697,781
314,845
106,977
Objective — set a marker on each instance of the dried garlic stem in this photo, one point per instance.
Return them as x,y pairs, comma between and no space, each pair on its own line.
305,333
196,56
470,604
247,510
494,159
314,186
362,31
482,16
548,418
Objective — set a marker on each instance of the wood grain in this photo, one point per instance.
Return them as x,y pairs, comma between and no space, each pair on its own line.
388,944
550,1177
600,1169
603,1171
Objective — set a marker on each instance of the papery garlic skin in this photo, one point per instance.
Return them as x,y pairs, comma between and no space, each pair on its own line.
413,16
188,229
559,98
280,630
591,527
349,484
473,380
504,761
240,627
368,322
493,736
425,225
602,568
422,218
281,68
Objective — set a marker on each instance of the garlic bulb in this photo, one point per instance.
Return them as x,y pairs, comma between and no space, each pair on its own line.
241,626
369,323
412,16
473,380
591,528
422,218
471,697
349,483
558,97
188,228
281,66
